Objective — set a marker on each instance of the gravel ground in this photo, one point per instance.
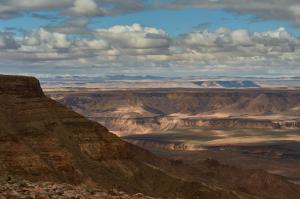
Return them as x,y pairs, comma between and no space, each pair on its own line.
22,189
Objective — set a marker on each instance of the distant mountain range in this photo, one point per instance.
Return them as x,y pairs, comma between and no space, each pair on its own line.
227,84
149,81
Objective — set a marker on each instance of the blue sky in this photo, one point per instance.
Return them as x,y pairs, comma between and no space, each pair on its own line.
175,22
139,37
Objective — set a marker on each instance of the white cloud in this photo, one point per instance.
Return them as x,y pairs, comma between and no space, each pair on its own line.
92,44
134,36
42,40
135,45
240,41
241,37
85,8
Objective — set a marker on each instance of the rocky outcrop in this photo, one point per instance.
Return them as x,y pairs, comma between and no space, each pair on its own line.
19,84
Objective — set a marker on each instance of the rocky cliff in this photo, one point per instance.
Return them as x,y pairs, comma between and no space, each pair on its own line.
16,85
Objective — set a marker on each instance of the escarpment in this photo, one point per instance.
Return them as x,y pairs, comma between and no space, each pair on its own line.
153,110
124,126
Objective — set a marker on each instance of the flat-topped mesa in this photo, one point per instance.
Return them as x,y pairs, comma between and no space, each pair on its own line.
20,85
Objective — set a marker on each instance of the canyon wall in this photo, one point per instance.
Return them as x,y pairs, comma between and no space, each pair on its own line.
189,101
126,126
156,110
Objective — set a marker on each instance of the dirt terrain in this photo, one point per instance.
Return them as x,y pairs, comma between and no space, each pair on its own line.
274,150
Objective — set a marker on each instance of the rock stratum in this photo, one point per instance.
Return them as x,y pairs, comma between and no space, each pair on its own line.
157,110
43,141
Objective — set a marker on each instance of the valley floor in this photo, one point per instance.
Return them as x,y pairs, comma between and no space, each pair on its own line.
274,150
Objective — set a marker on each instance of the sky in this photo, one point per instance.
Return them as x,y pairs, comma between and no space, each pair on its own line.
150,37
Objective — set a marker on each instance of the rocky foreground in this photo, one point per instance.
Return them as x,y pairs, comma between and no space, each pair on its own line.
22,189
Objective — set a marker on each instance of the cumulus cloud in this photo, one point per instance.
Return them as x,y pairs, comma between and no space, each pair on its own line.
225,40
85,8
238,49
136,39
113,43
135,36
95,44
141,46
42,40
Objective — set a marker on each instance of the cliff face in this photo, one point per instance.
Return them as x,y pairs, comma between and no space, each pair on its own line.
145,111
124,126
20,85
188,101
41,139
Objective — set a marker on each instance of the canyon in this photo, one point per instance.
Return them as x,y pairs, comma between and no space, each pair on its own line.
44,144
156,110
249,128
